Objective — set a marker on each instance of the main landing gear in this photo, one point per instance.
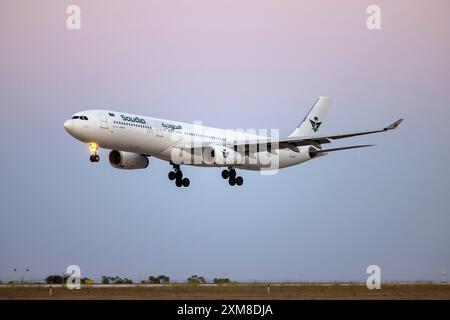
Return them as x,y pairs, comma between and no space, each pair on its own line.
93,147
230,174
177,175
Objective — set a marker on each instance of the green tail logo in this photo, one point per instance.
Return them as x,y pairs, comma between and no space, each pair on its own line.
315,124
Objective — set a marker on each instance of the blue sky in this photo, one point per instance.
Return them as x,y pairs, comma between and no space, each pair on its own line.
256,64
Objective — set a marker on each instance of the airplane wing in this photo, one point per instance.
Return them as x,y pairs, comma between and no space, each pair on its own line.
328,138
294,142
317,141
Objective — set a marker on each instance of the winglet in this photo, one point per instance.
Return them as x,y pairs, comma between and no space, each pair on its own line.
394,125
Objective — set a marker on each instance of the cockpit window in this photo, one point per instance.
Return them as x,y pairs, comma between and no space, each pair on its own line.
80,117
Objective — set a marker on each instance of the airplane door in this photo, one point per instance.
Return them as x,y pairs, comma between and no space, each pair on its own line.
103,121
159,132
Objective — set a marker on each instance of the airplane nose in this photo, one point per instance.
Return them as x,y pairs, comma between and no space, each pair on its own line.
69,126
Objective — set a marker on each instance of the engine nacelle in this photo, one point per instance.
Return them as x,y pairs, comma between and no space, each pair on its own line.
127,160
220,155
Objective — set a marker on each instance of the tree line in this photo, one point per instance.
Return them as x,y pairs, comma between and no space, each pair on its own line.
160,279
62,279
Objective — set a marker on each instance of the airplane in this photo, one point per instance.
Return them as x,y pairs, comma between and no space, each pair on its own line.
132,139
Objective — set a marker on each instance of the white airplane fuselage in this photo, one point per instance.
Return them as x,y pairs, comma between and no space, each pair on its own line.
132,139
158,137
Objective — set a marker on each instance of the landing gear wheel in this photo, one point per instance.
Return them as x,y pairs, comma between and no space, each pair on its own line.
232,181
239,181
232,173
96,158
225,174
92,158
177,175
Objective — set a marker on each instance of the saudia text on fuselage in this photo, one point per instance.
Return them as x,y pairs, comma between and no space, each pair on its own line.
171,127
135,119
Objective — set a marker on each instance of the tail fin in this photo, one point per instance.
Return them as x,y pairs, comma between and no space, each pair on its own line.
313,122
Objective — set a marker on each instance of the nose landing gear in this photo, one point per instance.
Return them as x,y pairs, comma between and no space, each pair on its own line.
230,174
94,158
177,175
93,147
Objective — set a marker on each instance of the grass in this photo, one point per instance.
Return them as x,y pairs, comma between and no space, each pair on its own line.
231,291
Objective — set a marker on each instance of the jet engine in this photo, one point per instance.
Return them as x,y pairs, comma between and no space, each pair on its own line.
127,160
220,155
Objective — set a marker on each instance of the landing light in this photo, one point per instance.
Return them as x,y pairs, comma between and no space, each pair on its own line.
93,147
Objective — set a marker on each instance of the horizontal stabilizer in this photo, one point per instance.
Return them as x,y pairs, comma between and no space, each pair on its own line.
319,151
